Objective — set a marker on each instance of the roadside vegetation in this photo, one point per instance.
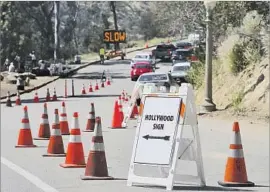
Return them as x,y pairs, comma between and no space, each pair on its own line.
240,68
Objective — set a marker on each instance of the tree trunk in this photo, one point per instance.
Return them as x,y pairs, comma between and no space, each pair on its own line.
112,5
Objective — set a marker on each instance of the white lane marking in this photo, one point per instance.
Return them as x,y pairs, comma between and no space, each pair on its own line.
30,177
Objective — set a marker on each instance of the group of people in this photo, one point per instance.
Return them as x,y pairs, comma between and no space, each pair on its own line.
16,65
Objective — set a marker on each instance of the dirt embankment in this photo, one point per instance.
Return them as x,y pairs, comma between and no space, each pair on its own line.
243,96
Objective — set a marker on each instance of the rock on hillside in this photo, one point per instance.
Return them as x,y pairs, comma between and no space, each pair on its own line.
245,94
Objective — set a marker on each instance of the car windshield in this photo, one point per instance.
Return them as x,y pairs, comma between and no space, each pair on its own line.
181,68
184,53
155,77
143,66
141,57
183,45
165,47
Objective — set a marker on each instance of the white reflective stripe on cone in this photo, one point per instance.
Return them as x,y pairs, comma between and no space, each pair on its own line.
56,132
97,130
76,123
75,139
97,147
26,126
236,153
44,121
25,116
56,119
45,111
91,116
63,109
63,118
236,139
119,101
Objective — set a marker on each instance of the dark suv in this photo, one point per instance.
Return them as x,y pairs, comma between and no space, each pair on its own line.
163,51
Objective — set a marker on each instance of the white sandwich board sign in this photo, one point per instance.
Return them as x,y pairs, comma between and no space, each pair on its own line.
157,130
166,137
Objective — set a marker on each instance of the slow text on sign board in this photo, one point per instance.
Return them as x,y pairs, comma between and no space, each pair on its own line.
114,36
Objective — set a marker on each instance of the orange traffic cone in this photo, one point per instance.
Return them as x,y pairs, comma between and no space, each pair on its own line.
96,87
117,121
146,45
91,120
48,96
134,112
56,145
25,136
235,173
75,154
44,132
36,99
126,97
8,102
90,88
83,90
119,102
54,97
108,82
120,108
96,167
123,95
63,121
102,84
18,100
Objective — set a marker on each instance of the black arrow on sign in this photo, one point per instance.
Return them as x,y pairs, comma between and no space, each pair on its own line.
166,138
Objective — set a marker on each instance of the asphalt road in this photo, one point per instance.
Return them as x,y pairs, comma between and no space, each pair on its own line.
25,170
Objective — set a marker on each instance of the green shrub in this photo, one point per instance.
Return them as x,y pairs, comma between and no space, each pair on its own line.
237,99
196,74
238,62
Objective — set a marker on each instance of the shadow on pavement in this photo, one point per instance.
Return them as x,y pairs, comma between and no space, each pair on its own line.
114,62
97,75
41,100
90,96
197,188
60,99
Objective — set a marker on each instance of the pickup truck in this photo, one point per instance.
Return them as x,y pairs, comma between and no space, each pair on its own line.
163,51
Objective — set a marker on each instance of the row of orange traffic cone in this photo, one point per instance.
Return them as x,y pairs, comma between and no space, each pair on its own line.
96,166
96,87
36,99
44,128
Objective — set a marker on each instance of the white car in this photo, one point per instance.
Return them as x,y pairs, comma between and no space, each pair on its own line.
143,56
179,71
156,78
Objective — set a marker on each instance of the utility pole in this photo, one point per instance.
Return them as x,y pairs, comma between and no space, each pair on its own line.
55,31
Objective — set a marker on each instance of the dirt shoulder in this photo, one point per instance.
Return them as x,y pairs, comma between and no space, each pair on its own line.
33,83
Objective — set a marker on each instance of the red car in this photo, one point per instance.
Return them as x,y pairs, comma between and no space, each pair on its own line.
140,68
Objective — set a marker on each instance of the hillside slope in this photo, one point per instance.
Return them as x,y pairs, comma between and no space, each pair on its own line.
246,94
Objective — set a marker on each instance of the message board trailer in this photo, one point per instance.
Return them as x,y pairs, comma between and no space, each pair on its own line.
167,141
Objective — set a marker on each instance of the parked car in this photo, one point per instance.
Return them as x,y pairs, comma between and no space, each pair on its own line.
163,51
143,56
140,68
179,71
